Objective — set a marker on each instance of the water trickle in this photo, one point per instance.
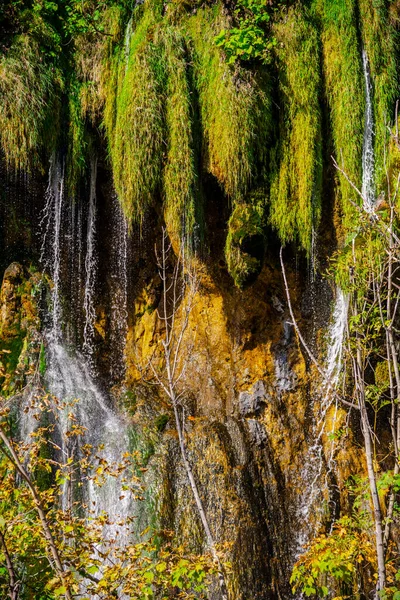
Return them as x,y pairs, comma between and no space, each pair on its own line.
127,41
91,269
119,289
51,238
368,158
318,464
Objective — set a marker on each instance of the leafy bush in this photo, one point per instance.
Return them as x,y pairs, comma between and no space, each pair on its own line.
248,40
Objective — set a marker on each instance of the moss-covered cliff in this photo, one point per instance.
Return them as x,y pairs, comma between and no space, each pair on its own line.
138,106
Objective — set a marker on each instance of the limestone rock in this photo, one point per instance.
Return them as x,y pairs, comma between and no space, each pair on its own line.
252,402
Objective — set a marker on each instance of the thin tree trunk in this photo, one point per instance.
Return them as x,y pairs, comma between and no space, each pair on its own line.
379,537
14,584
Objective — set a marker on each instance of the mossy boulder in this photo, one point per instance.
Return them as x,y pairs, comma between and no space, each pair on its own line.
245,243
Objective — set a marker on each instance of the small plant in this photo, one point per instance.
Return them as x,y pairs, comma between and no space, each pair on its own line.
248,41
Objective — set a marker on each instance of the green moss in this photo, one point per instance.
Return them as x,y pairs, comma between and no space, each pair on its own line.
27,94
244,248
345,93
235,107
134,120
180,178
380,40
393,164
296,180
77,138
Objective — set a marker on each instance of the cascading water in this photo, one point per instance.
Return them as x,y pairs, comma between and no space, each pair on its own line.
368,158
69,376
69,379
51,238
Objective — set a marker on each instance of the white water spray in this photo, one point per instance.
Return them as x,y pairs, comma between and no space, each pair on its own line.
69,379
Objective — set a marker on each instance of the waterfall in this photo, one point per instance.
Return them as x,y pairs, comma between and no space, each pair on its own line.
70,378
317,462
368,158
90,268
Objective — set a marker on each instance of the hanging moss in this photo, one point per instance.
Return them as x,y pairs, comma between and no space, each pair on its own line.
345,93
27,93
180,177
380,41
235,108
77,138
296,181
244,249
93,64
134,118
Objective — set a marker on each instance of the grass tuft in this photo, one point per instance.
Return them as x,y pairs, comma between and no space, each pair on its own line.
135,119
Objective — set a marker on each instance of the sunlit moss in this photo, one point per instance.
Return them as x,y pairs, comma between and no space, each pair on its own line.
235,108
180,176
296,181
380,40
27,93
344,92
135,119
393,167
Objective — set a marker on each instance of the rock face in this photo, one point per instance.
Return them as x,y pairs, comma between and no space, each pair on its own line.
20,325
253,402
247,402
247,417
248,420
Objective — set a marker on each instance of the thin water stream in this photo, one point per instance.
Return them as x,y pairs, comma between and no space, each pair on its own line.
368,157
